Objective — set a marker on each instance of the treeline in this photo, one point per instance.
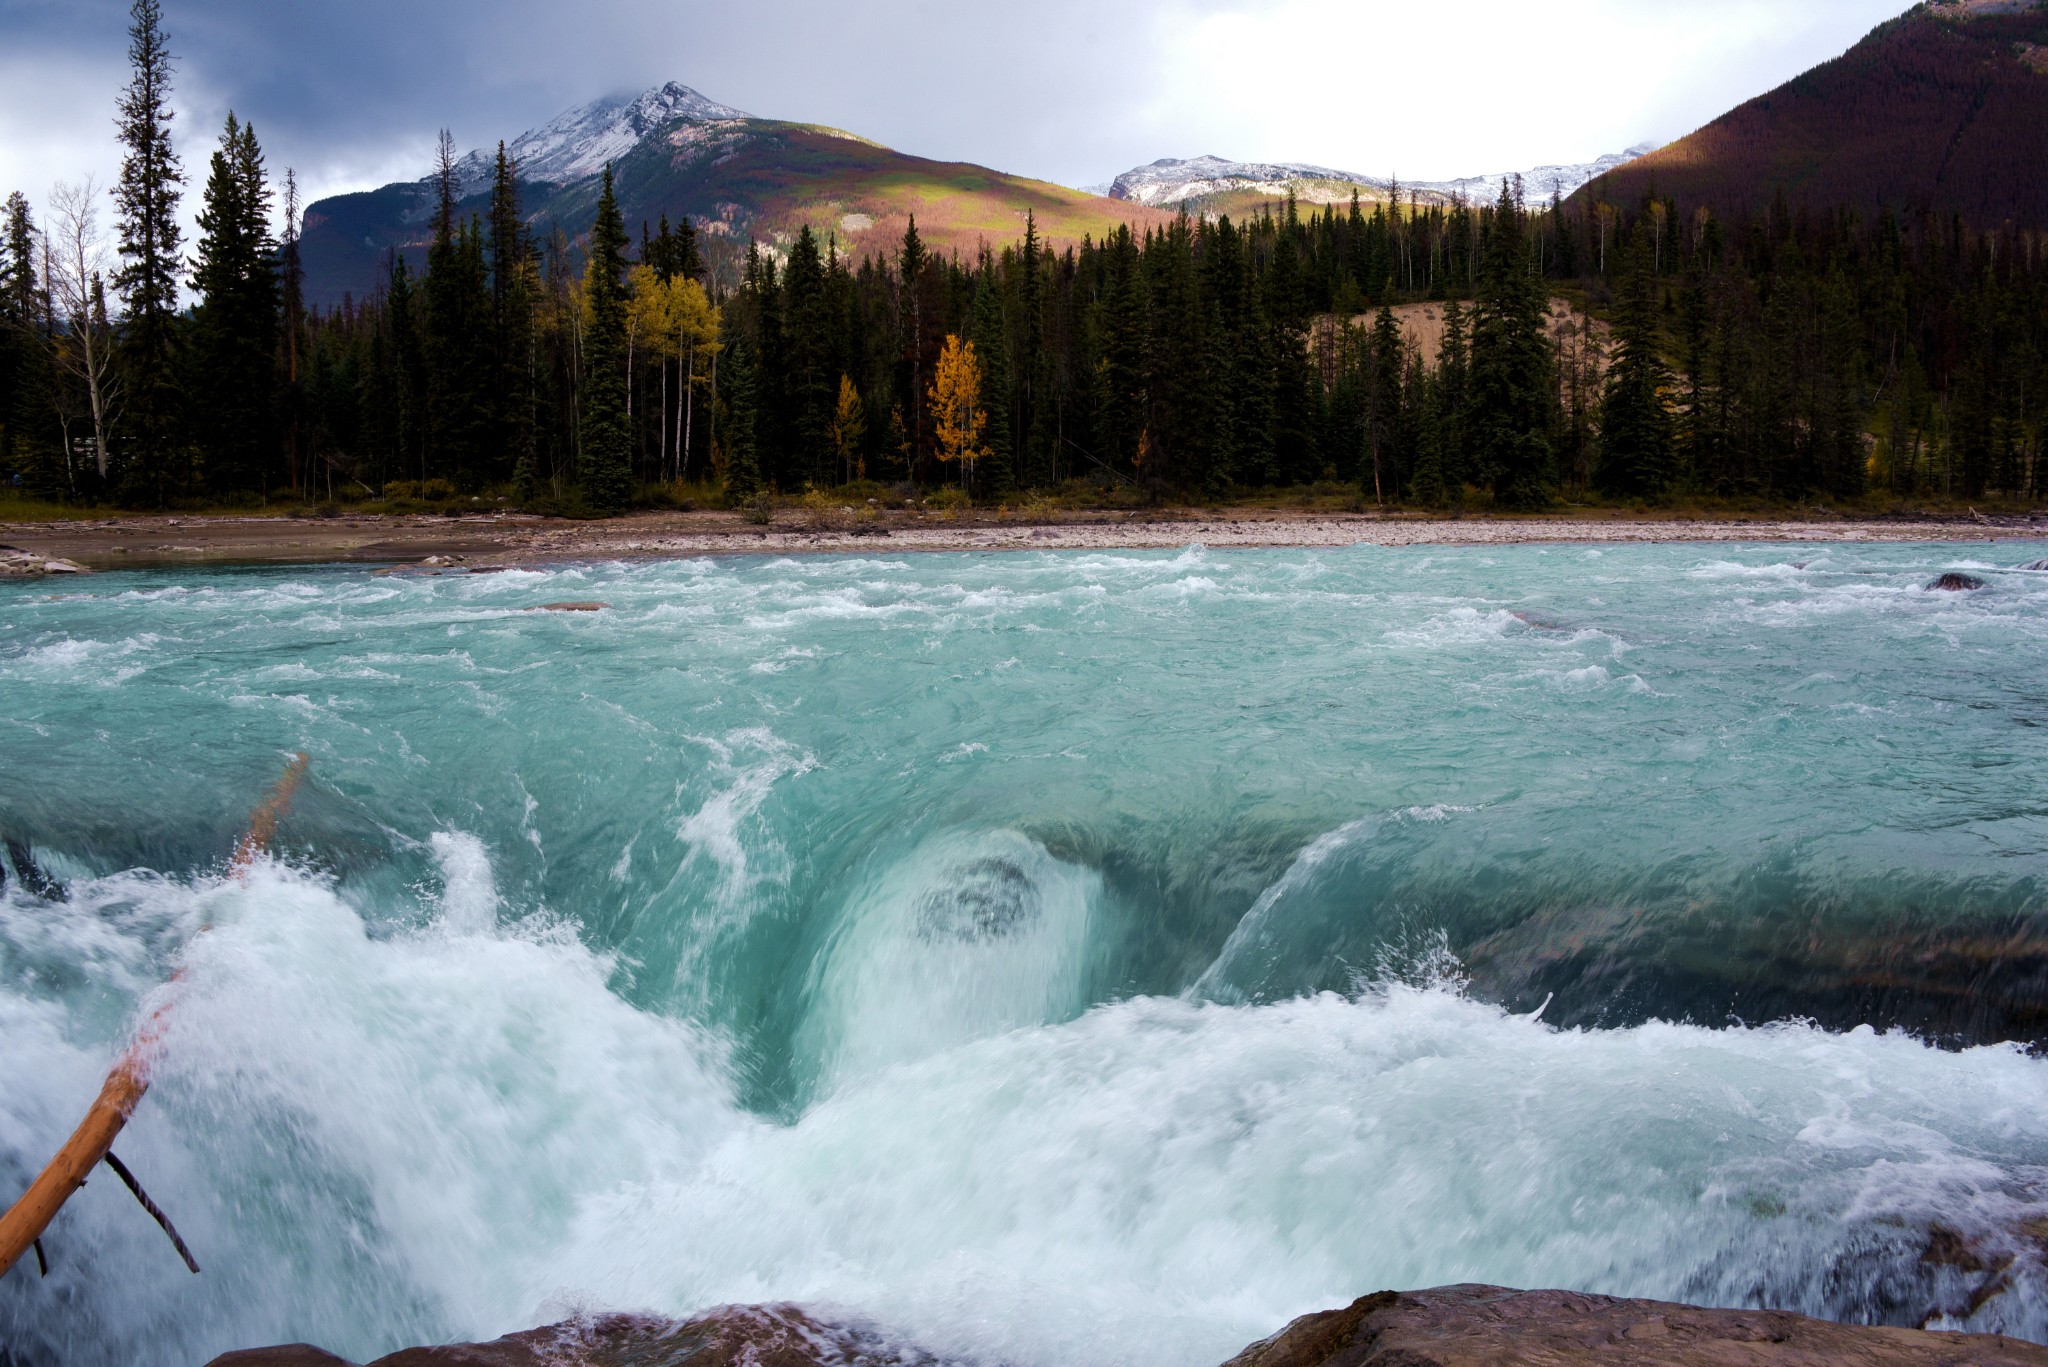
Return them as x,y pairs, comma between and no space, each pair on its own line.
1781,355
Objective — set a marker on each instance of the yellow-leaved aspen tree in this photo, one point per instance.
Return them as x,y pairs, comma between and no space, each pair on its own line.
849,426
957,414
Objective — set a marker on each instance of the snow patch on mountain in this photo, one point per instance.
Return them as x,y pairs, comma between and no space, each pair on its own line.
1171,181
582,141
1539,182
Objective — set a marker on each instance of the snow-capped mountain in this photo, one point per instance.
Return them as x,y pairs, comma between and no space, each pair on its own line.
738,178
1539,182
1173,181
579,143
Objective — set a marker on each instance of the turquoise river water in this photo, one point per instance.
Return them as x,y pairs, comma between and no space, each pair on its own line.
1053,958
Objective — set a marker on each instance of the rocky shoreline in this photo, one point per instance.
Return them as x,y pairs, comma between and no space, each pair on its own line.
1456,1326
499,540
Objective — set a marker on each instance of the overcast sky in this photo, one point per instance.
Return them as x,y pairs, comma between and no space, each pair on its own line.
350,92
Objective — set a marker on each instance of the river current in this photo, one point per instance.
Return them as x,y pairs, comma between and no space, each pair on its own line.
1053,958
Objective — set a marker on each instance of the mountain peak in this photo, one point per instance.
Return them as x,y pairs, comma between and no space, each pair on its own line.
579,142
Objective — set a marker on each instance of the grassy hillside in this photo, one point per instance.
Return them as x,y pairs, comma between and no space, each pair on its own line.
738,179
1944,108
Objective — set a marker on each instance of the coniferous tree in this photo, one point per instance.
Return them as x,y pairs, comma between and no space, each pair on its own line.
1509,406
807,363
736,432
1120,373
607,472
1176,378
147,198
995,477
22,351
1453,381
1033,434
914,313
234,338
1384,438
291,279
515,291
1635,424
410,388
459,340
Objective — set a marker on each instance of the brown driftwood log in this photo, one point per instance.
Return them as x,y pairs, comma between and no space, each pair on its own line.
125,1086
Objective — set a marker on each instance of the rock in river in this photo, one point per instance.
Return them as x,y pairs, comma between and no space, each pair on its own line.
1956,583
1486,1326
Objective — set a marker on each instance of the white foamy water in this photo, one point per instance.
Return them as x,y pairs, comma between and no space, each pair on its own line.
457,1131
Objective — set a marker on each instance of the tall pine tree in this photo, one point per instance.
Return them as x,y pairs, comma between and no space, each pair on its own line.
1635,424
1508,415
607,473
995,474
234,338
146,197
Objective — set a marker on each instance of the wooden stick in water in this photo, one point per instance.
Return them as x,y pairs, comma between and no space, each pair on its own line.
125,1086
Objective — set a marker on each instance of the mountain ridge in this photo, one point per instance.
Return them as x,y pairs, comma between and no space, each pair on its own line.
1208,183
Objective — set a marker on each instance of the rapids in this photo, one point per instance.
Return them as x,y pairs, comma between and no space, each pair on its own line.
1056,958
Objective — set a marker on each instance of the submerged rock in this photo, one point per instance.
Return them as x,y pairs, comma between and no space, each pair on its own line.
1486,1326
1955,583
584,605
2033,565
989,897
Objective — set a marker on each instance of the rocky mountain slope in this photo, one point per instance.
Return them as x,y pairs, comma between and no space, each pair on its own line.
675,152
1944,108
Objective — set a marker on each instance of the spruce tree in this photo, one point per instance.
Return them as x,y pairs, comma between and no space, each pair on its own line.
20,292
147,197
23,357
409,374
291,277
742,459
232,358
1509,406
912,312
607,473
460,341
1453,382
1635,424
995,474
1386,451
515,289
807,363
1033,432
1120,378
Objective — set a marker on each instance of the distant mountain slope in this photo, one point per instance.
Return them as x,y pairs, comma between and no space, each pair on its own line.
1946,107
1213,185
674,152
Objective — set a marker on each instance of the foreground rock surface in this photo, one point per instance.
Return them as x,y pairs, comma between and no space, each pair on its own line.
734,1336
1454,1326
1485,1326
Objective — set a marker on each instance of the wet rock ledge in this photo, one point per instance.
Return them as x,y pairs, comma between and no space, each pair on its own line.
1455,1326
